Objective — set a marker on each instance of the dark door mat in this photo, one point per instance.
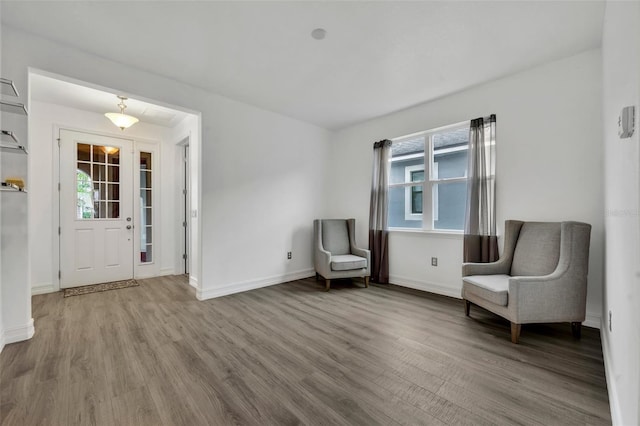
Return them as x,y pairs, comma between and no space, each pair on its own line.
96,288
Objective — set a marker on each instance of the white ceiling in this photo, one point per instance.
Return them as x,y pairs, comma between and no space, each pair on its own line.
378,57
47,89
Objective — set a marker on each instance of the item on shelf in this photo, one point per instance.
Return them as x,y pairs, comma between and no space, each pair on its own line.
19,182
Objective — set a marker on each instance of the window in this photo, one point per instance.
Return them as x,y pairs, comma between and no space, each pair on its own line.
98,182
429,191
146,208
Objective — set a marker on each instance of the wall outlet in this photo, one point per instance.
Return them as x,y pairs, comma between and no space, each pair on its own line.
434,261
288,255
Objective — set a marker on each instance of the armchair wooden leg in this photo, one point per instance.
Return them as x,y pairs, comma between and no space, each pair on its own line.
327,285
576,329
467,307
366,282
515,332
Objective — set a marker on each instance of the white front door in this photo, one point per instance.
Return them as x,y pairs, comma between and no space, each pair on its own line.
96,209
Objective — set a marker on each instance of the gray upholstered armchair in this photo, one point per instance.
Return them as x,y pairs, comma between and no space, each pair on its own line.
541,276
335,251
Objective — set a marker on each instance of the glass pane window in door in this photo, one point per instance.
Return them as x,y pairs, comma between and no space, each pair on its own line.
97,179
84,152
146,207
146,253
85,194
145,161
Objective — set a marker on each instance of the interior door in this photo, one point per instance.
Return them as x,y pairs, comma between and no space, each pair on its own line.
96,209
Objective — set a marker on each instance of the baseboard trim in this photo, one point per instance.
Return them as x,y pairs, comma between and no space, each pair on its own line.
166,271
18,333
614,401
193,281
1,339
593,320
204,294
425,286
43,288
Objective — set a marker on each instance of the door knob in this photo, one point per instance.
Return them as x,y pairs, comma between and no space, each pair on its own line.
128,226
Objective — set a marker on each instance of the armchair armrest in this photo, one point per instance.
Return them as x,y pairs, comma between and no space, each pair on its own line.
356,251
502,266
559,296
322,261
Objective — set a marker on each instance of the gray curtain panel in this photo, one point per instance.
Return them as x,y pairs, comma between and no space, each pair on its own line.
480,240
378,232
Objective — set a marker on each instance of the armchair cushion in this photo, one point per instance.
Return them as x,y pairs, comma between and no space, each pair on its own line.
494,288
537,250
347,262
335,236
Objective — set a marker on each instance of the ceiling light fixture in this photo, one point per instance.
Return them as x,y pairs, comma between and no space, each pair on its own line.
121,119
319,33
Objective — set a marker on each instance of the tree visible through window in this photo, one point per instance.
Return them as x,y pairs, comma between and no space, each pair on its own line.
85,195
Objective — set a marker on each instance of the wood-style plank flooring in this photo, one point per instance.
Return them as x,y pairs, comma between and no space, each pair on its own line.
293,354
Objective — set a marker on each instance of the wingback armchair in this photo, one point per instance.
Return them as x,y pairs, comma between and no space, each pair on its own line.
335,252
540,278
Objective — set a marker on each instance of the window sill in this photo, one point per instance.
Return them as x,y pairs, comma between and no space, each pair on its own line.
456,235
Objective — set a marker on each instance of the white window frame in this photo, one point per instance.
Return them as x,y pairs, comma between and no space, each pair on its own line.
430,184
408,215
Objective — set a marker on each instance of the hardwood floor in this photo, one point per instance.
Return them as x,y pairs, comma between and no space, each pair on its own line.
293,354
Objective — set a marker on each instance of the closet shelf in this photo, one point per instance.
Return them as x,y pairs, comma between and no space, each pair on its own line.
14,107
7,87
21,149
8,136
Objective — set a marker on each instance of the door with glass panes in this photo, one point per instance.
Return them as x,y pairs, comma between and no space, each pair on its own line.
96,209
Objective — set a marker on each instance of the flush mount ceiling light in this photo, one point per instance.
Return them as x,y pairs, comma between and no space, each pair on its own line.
319,33
121,119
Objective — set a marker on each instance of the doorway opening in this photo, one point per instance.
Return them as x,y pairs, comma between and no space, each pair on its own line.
130,197
186,202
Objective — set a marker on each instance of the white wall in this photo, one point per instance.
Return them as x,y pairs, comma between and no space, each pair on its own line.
44,121
549,165
263,182
1,285
621,84
14,276
262,175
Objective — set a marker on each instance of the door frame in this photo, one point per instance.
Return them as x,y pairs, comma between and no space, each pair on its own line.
183,212
193,130
139,270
